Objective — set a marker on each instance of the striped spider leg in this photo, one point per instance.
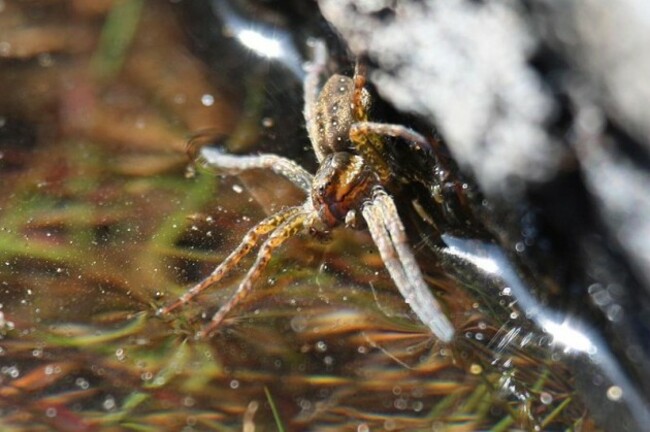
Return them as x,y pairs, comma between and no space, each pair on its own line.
388,233
279,227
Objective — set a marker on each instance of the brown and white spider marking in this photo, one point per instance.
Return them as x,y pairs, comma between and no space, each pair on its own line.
352,179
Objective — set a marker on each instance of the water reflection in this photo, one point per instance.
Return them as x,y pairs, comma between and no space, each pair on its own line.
265,40
583,349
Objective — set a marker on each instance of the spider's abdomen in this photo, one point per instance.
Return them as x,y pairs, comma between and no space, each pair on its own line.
333,115
342,184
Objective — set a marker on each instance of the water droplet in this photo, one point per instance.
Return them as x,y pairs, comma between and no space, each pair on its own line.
321,346
400,403
82,383
614,393
614,312
298,324
109,403
207,100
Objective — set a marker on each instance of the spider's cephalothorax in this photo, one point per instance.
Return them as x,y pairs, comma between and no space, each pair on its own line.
353,178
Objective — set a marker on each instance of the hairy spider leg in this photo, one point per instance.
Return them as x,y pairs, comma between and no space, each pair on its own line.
389,234
311,88
282,233
234,164
367,137
432,314
392,130
248,243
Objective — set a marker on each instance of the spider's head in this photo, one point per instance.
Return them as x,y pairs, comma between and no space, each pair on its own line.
341,185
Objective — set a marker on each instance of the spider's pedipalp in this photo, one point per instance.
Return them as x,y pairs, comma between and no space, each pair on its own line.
287,229
360,97
388,233
248,243
233,164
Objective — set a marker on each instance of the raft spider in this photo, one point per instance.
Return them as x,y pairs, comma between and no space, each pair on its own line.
353,177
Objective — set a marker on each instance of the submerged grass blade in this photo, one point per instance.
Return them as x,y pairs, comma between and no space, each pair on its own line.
117,34
12,246
177,363
274,410
503,425
84,340
553,414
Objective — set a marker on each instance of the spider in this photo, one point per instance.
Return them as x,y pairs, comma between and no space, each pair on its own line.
353,179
